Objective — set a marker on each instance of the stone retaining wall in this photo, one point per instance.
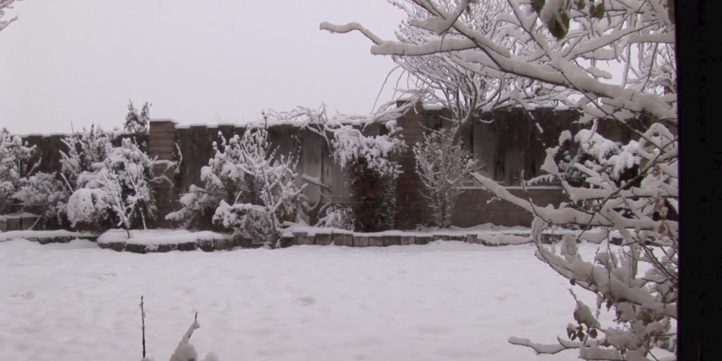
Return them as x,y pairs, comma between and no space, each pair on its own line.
336,238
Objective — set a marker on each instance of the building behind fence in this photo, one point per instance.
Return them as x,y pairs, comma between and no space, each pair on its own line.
509,144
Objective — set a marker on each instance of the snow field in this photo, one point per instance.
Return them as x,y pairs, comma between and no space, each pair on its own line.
442,301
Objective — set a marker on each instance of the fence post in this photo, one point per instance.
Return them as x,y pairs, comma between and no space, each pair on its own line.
161,144
409,203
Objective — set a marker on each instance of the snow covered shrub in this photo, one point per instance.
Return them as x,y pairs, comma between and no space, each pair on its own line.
372,175
45,194
367,159
135,121
49,195
247,188
15,164
40,193
270,177
222,179
442,165
247,220
90,208
117,191
337,216
84,149
373,197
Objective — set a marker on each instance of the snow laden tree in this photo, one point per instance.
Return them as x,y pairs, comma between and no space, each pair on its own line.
367,158
15,164
117,191
137,121
248,188
567,53
440,80
442,165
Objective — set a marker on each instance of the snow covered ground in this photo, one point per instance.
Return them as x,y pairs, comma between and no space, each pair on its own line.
442,301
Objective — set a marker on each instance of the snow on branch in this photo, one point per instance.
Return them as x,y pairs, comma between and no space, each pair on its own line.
543,349
509,38
341,29
4,6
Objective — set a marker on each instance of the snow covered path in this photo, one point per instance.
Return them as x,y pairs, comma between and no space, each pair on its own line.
442,301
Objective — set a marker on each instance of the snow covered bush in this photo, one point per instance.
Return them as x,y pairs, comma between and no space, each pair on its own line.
565,53
442,165
337,216
83,150
222,181
372,175
117,191
4,5
137,121
368,159
44,193
15,164
248,188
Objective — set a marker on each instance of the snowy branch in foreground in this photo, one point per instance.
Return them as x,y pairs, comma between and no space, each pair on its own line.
632,34
4,5
546,51
542,349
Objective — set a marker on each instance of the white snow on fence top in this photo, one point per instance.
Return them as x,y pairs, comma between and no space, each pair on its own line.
350,120
34,234
158,236
486,230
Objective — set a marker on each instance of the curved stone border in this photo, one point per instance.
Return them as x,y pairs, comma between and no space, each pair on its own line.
326,237
61,239
207,245
45,237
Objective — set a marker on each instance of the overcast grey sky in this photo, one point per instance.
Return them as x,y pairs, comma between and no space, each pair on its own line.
197,62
